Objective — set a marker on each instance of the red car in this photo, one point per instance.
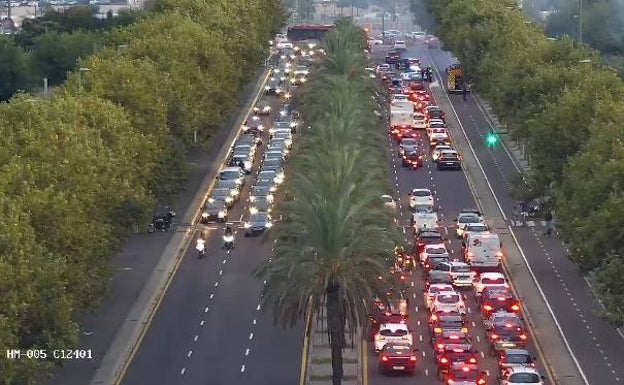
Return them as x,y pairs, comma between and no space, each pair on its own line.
461,353
412,160
397,357
429,237
495,299
465,374
506,336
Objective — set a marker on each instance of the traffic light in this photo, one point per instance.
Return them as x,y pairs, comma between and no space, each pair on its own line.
491,139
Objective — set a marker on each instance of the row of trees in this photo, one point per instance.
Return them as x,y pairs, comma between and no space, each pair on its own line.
82,169
48,46
555,96
335,232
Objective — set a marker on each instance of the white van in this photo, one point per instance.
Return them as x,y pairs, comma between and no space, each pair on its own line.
424,221
400,45
482,250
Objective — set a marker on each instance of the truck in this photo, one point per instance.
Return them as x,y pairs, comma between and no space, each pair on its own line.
455,79
483,251
401,114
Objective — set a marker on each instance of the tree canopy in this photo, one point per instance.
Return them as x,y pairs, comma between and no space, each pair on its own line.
557,97
84,168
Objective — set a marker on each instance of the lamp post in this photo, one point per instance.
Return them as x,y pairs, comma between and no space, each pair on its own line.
581,21
80,71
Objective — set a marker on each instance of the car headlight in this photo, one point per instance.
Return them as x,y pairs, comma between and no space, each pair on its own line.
269,225
282,56
222,214
252,198
267,108
247,165
211,200
273,188
261,127
287,95
245,127
253,210
270,198
293,124
271,130
247,225
239,182
204,215
234,193
228,199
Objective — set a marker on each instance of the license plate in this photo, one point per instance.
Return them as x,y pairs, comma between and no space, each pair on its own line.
507,345
463,277
398,367
449,163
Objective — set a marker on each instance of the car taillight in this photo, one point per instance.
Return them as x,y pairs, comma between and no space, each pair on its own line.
481,381
450,381
464,330
523,337
384,358
440,346
437,330
413,358
443,360
487,308
472,360
433,317
493,336
515,308
499,255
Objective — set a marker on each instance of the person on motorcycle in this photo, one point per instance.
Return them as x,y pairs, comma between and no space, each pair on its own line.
228,236
201,245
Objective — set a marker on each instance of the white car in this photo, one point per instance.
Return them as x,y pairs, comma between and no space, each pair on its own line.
460,273
420,122
398,98
375,41
434,289
448,301
476,228
433,250
400,44
438,135
464,219
388,201
420,196
522,375
438,150
389,333
489,279
419,35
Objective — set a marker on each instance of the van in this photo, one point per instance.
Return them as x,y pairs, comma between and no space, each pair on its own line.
424,221
400,45
482,250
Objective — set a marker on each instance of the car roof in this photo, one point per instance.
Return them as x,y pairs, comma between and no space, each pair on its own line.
230,169
517,351
490,274
457,263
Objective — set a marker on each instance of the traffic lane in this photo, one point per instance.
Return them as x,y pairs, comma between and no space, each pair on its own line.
600,338
219,353
453,194
164,348
596,344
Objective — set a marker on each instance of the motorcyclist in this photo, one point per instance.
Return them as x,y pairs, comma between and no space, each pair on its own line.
201,245
228,236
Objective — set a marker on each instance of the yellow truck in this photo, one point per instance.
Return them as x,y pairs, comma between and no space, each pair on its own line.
455,79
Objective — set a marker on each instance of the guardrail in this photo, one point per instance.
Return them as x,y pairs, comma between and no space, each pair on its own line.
304,376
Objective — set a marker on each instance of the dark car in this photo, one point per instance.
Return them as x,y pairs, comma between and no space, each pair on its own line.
412,160
512,358
392,57
214,211
494,299
272,87
435,112
506,336
397,357
224,195
253,125
446,321
449,337
449,159
463,353
241,160
436,276
262,108
261,191
428,237
465,374
257,223
260,204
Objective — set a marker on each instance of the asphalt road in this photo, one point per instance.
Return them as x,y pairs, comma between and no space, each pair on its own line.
209,328
598,346
452,195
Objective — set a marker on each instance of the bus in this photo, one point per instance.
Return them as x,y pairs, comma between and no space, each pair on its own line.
307,32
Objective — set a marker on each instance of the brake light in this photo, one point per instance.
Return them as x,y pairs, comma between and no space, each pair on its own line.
508,325
470,254
464,330
449,381
384,358
443,360
434,317
440,346
437,330
501,298
388,314
379,338
472,360
487,308
454,337
458,350
494,336
523,337
481,381
515,308
465,369
413,358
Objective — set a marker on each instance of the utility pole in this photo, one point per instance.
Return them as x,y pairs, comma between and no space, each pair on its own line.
352,10
9,9
383,25
581,21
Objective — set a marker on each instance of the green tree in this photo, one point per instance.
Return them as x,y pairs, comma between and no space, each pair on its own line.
608,282
15,68
331,245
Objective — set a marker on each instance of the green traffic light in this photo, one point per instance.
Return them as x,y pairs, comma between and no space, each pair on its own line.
491,139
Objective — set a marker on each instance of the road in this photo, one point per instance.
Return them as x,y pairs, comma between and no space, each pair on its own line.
209,327
598,346
452,195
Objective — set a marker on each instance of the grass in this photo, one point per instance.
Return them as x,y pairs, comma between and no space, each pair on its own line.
327,360
329,378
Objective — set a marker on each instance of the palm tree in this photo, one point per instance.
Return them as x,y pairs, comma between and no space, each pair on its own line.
330,249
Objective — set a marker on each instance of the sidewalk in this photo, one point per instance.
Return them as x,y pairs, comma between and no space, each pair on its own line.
319,371
135,264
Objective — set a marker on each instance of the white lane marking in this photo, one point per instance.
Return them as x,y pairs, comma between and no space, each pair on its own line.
201,323
254,321
242,368
216,283
190,353
183,371
195,338
212,296
206,309
258,307
220,272
224,261
250,336
247,352
426,372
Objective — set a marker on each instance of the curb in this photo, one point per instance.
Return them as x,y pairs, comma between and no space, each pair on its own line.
133,329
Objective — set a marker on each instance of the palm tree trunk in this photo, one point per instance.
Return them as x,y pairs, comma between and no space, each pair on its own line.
335,327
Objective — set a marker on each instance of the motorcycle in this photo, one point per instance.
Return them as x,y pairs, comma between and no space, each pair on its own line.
162,222
201,247
228,241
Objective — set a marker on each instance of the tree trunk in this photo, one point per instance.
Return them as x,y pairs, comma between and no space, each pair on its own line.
335,327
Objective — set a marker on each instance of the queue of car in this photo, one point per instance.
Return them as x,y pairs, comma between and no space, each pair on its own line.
271,143
448,282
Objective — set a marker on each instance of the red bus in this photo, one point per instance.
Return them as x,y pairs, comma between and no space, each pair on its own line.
307,32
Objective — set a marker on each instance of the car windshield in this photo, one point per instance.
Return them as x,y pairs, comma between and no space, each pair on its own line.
465,375
476,228
229,175
437,289
467,218
517,359
260,190
437,125
460,269
423,208
435,250
258,217
524,378
270,175
452,323
507,330
448,298
215,206
493,281
398,349
387,199
421,193
434,260
408,142
393,333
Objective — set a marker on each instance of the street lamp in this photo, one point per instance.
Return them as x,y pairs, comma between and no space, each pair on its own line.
581,21
80,71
